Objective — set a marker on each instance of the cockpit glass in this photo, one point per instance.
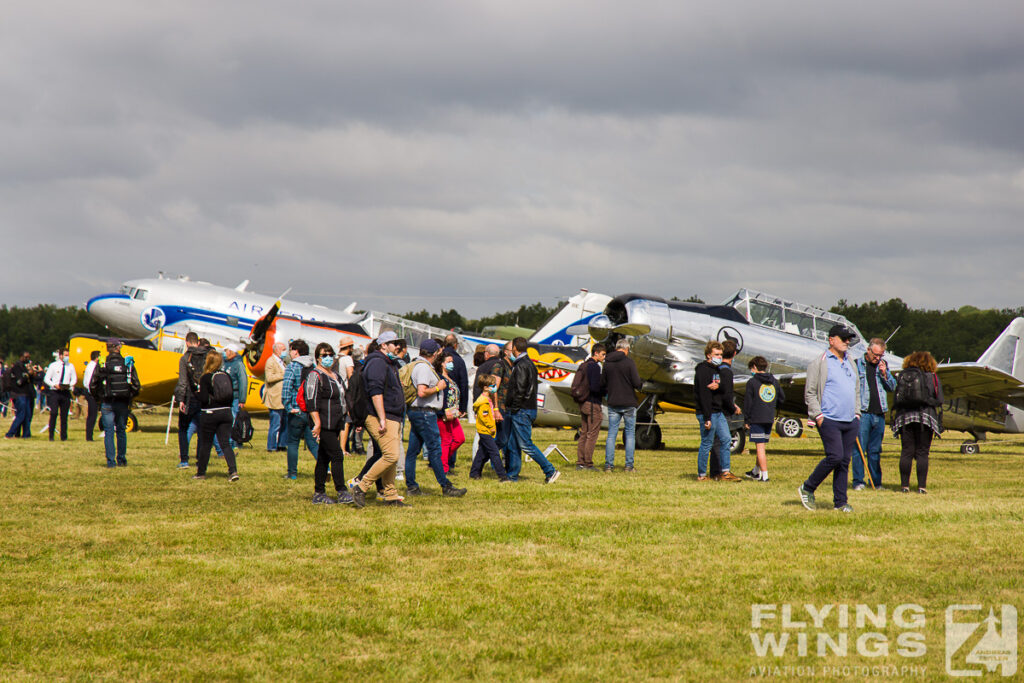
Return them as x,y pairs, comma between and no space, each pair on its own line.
768,315
141,294
799,323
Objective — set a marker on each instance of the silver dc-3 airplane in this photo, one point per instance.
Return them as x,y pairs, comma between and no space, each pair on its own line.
669,338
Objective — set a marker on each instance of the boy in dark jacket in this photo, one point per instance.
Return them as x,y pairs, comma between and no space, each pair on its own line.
762,399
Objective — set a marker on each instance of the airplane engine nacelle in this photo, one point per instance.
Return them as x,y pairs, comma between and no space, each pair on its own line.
650,318
257,354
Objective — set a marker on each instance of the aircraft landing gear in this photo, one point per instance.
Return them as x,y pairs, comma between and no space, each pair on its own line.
789,427
739,440
648,432
970,448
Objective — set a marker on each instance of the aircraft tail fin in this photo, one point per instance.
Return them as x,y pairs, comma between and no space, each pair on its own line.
578,310
351,308
1007,352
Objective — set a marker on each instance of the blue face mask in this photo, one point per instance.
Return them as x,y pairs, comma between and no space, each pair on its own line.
716,361
492,389
285,356
449,366
392,356
327,362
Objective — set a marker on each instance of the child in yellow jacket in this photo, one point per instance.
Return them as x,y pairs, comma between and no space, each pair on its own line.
486,429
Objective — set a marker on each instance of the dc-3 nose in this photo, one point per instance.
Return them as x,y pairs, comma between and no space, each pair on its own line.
115,311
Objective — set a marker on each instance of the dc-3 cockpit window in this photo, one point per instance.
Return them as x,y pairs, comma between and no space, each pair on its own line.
141,294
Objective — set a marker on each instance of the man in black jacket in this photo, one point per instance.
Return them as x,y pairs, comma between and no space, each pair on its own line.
521,406
186,393
23,393
590,409
621,380
710,398
115,383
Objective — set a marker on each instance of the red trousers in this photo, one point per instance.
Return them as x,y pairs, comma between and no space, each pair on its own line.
451,438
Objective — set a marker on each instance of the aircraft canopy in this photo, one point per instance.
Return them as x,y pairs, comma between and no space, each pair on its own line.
768,310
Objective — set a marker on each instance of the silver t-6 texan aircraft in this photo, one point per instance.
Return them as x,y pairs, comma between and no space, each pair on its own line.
669,338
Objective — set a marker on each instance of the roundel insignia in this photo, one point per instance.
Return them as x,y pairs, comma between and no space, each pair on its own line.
153,318
733,334
767,393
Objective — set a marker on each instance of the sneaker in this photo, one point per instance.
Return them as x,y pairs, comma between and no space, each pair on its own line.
750,474
397,503
506,480
703,477
922,490
581,467
194,476
845,508
414,490
476,476
630,470
358,497
859,487
323,499
293,477
352,483
763,478
807,498
346,498
452,492
184,465
400,477
905,489
553,478
123,463
729,476
609,468
233,476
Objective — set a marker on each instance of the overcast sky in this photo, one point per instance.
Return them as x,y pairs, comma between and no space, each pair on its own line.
480,155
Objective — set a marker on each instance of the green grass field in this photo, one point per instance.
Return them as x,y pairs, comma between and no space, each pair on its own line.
141,573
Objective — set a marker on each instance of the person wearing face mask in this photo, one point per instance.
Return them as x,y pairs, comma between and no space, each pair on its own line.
299,428
483,408
709,398
458,373
59,379
325,401
448,423
273,375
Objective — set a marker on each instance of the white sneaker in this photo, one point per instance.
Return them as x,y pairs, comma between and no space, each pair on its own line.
859,487
400,476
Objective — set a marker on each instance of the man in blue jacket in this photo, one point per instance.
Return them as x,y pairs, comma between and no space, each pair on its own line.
875,380
239,380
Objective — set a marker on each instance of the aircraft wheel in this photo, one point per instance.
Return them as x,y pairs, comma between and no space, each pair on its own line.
739,440
132,425
789,428
648,438
970,448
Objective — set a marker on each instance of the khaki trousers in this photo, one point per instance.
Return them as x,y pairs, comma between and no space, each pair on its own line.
590,428
390,446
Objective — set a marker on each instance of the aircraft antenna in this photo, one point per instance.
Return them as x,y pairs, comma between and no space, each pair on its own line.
893,334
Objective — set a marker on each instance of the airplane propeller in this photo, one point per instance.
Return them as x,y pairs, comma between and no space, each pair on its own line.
601,327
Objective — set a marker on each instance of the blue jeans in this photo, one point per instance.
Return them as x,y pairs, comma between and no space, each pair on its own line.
114,416
275,430
719,428
615,415
504,430
840,441
299,428
234,412
872,429
521,439
23,418
424,433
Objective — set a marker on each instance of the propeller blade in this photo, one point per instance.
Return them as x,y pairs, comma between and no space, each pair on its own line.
259,329
631,329
578,330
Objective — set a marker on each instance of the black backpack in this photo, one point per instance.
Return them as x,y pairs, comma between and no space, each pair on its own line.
580,388
119,379
356,398
221,388
194,366
914,389
7,381
241,429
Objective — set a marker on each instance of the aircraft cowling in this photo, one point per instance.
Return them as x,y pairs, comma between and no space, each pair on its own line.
648,321
260,350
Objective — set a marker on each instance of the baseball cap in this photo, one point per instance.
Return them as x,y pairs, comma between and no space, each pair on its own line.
842,332
385,337
113,343
429,346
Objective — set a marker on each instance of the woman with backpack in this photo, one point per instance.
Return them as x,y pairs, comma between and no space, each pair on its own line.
916,420
216,392
448,423
325,404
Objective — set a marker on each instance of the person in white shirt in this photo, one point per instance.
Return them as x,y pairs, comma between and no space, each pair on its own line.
93,411
59,379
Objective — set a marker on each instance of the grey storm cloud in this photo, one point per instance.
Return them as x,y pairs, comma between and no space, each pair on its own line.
482,155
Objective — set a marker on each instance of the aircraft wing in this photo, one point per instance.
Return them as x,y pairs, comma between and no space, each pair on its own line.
974,381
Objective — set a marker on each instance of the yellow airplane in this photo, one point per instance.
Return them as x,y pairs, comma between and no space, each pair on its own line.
158,371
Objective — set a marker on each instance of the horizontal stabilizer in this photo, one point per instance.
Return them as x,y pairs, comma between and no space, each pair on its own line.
974,380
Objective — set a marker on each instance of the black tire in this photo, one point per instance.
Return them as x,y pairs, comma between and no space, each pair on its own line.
970,448
648,437
739,440
789,427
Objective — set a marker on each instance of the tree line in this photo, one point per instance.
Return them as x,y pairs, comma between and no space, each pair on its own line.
955,335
